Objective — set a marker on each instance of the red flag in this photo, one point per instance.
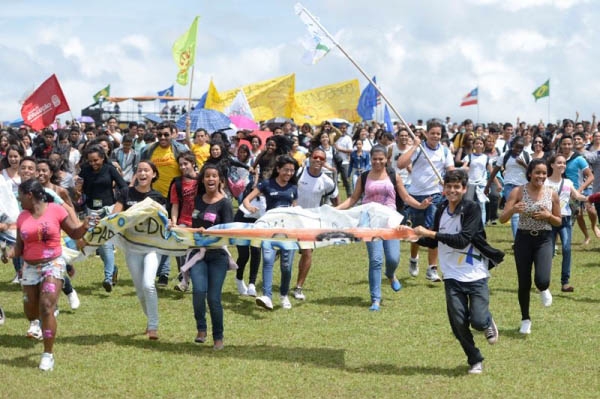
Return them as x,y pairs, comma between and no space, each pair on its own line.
42,106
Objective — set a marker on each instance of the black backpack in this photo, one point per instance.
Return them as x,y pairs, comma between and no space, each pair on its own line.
392,175
508,154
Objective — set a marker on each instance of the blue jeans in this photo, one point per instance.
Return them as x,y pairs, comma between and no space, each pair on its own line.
107,255
468,303
514,219
286,259
424,217
164,267
565,231
208,276
377,250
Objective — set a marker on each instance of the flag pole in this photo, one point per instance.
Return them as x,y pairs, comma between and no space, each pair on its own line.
189,110
316,21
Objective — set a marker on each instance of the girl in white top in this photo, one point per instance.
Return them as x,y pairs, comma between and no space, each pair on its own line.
566,191
478,166
10,167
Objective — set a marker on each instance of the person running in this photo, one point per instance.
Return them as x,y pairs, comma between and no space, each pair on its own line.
38,242
539,210
143,265
379,187
425,183
98,178
566,192
208,273
457,227
314,189
281,190
360,161
478,166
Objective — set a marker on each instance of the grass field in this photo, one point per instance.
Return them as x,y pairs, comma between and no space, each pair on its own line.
328,346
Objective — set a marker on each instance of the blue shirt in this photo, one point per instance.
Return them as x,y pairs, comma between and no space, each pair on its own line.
277,196
575,165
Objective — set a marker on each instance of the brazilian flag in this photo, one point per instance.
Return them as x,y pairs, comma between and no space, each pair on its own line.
102,93
542,91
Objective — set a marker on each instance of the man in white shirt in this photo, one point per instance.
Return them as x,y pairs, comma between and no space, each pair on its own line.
314,187
344,148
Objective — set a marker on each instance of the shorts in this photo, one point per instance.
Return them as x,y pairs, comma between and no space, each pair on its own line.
424,217
35,274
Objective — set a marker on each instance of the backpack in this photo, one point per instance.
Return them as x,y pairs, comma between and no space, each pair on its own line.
507,156
392,176
178,182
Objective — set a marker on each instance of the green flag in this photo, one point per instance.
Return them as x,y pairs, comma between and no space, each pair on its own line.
102,93
184,52
542,91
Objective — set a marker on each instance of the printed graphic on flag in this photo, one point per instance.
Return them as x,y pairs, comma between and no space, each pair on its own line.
471,98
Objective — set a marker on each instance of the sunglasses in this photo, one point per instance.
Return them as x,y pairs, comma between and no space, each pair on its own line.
159,135
318,158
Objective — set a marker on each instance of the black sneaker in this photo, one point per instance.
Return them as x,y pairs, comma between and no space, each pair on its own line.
491,333
115,277
163,281
108,286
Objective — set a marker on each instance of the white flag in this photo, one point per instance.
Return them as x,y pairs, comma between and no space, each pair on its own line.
316,42
239,106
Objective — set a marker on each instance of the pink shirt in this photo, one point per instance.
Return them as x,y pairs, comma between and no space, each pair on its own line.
41,236
380,191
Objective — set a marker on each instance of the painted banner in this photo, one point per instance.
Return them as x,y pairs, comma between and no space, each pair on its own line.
338,100
267,99
144,227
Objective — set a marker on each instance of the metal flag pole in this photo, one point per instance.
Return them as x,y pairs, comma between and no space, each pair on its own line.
188,120
322,28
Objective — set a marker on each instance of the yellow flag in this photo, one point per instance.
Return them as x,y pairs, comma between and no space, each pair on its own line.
267,99
184,52
337,100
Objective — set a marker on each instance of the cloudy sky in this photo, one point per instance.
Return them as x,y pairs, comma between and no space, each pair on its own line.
426,54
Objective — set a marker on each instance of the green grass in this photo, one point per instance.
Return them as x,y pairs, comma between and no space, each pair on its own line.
327,346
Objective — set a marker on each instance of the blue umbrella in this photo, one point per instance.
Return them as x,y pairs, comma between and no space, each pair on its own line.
208,119
153,118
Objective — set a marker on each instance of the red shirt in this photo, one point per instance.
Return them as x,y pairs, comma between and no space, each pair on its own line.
189,188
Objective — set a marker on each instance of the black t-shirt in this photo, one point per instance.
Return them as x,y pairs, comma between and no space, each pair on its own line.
98,186
130,196
207,215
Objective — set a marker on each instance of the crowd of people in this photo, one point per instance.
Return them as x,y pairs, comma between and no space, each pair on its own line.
448,180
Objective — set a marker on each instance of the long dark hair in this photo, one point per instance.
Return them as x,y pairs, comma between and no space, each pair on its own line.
34,187
207,166
284,160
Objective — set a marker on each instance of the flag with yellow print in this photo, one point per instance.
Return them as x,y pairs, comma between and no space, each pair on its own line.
184,52
103,93
542,91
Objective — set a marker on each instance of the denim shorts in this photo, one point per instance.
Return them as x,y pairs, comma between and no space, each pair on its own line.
35,274
424,217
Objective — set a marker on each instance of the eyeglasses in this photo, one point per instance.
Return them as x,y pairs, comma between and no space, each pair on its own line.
287,170
159,135
318,158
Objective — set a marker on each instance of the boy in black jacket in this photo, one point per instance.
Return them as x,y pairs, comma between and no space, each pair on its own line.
463,256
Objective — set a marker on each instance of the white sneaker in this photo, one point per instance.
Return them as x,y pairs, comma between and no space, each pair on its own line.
241,287
2,317
47,362
432,274
251,290
477,368
34,332
16,280
56,312
265,302
298,294
285,302
546,297
73,300
413,267
525,327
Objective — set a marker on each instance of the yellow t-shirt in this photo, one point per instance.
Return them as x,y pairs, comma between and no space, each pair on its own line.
202,152
167,166
299,157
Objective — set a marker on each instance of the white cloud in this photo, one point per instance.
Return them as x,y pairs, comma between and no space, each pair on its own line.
522,40
517,5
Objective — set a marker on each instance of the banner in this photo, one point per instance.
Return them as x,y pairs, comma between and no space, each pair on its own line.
268,99
41,108
184,52
144,227
337,100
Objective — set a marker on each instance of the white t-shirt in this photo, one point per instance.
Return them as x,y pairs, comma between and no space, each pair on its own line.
345,143
564,197
312,188
514,173
466,264
396,153
477,168
424,180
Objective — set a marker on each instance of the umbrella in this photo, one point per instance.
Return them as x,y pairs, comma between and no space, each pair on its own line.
338,121
86,119
208,119
153,118
17,122
243,122
277,122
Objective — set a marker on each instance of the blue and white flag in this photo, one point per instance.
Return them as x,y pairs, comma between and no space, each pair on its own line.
316,42
367,101
168,92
